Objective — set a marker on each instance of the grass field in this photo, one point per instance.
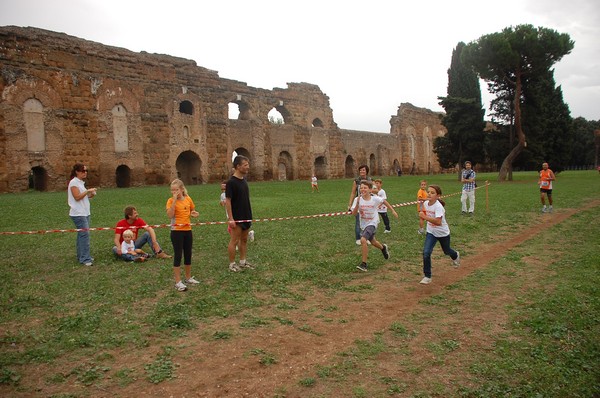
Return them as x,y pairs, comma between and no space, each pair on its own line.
69,322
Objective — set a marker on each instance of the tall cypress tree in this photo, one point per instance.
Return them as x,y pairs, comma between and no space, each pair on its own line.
547,123
464,115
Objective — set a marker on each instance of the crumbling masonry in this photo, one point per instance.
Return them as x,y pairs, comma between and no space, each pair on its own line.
139,119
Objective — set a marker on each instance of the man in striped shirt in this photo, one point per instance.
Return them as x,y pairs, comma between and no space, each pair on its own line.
468,191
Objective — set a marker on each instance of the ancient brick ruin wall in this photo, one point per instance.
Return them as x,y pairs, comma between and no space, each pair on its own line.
174,115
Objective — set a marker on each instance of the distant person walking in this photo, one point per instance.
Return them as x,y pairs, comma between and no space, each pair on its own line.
180,207
468,190
363,175
314,184
545,182
437,230
78,198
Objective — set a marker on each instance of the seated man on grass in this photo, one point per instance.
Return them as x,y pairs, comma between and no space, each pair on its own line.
133,222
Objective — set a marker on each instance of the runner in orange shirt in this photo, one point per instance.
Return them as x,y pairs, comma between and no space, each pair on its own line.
545,182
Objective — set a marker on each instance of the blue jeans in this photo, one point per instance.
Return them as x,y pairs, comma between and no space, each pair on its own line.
146,239
430,242
83,239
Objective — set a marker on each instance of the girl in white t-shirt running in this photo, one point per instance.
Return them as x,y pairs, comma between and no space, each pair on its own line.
437,230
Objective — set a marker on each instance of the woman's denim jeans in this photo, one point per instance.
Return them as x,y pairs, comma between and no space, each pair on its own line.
430,242
83,239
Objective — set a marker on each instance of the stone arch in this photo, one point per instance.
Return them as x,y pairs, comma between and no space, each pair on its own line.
33,115
317,123
285,166
320,166
239,110
119,124
189,168
123,176
38,179
349,167
396,169
275,117
373,165
186,107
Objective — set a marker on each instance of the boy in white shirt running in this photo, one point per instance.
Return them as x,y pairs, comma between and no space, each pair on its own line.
366,206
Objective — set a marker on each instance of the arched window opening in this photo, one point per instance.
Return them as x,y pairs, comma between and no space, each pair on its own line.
321,168
275,117
123,176
233,111
119,122
373,165
38,179
186,132
186,107
317,123
239,110
33,112
397,169
349,167
285,166
189,166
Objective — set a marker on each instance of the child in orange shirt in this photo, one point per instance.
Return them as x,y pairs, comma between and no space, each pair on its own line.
421,197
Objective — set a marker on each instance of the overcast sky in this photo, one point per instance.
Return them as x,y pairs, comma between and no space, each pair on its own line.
367,56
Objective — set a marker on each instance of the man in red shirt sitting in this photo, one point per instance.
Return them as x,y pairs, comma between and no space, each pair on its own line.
133,222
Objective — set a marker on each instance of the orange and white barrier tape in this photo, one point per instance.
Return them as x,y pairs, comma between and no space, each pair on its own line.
339,213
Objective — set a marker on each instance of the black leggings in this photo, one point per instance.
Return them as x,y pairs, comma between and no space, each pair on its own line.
182,242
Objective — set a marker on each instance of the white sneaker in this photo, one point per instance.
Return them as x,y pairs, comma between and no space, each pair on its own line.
233,267
192,281
387,231
251,236
358,242
456,263
180,287
246,265
425,281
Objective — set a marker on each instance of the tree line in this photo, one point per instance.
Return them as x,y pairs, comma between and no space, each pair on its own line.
531,123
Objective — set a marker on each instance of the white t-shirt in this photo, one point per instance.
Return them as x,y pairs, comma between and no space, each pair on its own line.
314,180
367,209
78,207
382,208
224,201
127,247
436,211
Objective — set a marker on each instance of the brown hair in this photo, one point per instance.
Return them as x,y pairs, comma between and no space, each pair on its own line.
77,167
367,183
438,190
128,212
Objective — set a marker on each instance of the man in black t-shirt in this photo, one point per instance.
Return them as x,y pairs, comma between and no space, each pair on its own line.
239,211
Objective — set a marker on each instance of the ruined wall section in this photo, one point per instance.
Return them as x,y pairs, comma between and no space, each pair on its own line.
161,117
377,150
416,129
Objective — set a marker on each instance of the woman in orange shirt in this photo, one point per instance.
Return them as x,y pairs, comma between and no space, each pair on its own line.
179,209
